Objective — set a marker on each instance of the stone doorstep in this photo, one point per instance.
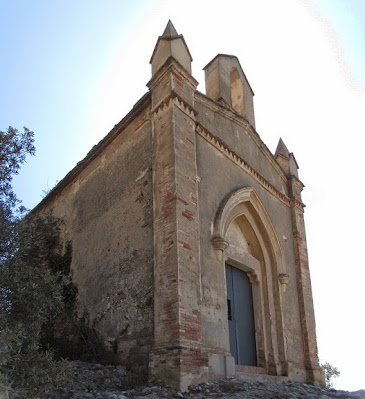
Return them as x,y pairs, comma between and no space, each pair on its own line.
250,373
250,369
260,377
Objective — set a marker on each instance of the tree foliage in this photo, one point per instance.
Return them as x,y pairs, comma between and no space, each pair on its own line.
14,147
330,372
33,280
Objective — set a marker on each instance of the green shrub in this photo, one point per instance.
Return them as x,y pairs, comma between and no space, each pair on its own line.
33,286
330,372
34,280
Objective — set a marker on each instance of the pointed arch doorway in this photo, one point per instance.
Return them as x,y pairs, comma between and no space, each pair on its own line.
240,316
245,239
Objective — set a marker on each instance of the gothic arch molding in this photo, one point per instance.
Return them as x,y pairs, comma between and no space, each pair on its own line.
232,207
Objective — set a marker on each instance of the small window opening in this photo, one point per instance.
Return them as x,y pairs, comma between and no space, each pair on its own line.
237,93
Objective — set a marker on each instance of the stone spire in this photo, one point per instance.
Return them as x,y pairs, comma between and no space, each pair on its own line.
286,159
170,31
282,150
170,44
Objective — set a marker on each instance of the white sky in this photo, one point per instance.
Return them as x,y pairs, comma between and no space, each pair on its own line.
71,70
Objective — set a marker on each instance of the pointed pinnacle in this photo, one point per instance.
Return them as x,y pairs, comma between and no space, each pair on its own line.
282,150
170,31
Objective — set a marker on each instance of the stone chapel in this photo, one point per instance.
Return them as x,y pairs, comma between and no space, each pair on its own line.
189,247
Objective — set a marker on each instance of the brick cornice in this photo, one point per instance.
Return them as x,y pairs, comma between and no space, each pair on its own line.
221,146
295,203
175,99
174,67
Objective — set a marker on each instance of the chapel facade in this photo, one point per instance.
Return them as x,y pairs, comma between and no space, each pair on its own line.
189,247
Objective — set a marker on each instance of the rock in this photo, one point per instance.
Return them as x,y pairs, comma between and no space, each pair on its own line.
98,381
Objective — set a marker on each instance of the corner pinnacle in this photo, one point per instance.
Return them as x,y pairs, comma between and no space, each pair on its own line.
282,150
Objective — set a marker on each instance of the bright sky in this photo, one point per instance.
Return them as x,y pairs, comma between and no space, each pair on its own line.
70,70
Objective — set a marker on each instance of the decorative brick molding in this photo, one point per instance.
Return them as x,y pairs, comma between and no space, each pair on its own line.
221,146
174,99
231,115
294,202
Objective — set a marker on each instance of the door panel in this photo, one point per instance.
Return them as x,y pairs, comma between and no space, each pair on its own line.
242,325
230,306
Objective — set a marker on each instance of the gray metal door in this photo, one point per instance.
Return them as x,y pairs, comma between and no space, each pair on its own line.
240,317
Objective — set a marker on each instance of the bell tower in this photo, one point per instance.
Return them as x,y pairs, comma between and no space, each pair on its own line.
226,83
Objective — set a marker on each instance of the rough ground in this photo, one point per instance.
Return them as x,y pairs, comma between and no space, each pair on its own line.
113,382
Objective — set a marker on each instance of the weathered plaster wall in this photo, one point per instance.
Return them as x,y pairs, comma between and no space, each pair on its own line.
223,123
108,216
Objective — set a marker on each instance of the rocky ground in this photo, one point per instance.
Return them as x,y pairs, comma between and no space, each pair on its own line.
95,381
